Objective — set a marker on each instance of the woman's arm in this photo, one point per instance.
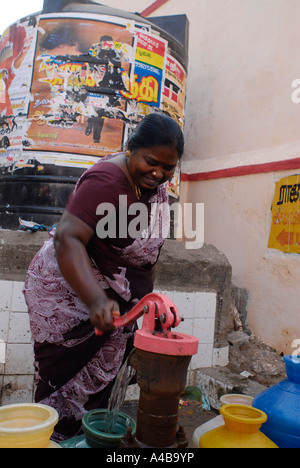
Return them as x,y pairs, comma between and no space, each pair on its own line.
71,239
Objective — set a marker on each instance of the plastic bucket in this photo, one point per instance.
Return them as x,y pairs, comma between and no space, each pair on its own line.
236,399
26,425
93,424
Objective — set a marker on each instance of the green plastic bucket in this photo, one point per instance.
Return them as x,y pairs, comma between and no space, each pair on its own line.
93,423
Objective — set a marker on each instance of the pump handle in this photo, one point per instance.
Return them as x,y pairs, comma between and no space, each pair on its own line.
158,310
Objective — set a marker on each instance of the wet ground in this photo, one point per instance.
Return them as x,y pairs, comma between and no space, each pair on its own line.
190,415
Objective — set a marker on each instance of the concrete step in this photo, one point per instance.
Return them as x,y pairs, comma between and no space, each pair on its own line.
217,381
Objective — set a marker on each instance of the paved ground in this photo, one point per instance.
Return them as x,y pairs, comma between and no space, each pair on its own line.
190,416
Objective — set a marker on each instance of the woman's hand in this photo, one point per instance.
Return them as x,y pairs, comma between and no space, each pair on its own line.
102,313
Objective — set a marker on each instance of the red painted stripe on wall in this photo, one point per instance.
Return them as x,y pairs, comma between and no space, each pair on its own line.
243,170
153,7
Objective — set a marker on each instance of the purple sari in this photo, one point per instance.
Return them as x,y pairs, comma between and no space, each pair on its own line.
75,369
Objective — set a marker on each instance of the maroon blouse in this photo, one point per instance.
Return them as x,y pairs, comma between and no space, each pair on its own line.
128,278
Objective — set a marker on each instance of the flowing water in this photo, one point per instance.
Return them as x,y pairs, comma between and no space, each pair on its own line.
116,400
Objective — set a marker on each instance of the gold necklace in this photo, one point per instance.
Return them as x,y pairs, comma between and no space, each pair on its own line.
136,188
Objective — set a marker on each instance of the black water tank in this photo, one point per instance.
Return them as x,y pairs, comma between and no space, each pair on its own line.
75,80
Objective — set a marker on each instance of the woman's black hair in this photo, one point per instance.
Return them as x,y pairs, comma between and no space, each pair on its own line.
157,130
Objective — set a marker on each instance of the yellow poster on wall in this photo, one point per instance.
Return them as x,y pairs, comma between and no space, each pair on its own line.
285,225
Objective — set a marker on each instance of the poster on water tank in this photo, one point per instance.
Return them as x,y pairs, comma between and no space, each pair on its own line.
174,90
80,68
147,74
93,81
17,45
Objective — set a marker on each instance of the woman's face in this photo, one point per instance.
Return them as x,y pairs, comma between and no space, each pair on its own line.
150,167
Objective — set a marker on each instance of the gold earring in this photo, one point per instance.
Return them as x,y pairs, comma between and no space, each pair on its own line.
138,192
128,154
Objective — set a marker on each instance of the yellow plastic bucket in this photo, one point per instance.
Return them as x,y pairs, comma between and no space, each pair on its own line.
27,425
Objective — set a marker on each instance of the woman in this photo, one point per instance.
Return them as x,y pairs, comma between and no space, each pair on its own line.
82,276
